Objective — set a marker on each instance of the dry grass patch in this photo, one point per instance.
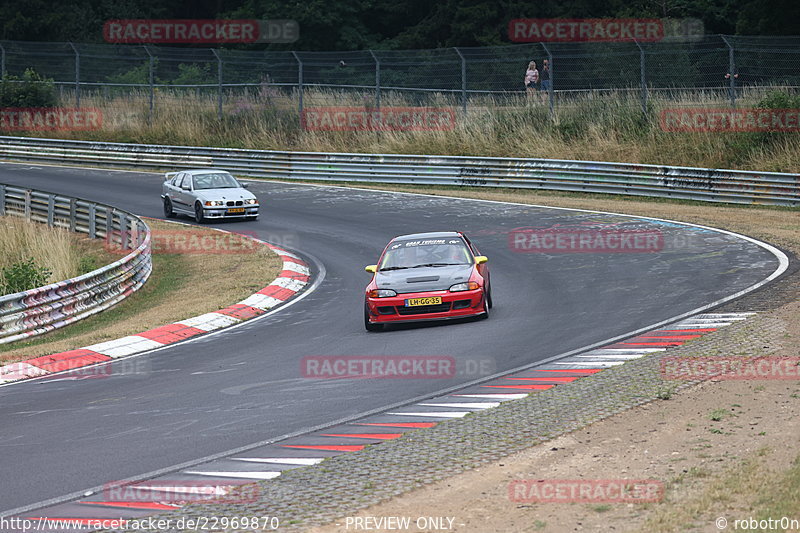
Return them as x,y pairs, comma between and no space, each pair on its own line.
63,253
182,285
600,127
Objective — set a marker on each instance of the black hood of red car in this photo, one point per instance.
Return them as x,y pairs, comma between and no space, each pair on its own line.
423,279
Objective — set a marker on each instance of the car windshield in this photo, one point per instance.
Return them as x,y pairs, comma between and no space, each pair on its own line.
217,180
426,253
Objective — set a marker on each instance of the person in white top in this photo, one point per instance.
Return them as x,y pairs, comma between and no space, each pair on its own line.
531,78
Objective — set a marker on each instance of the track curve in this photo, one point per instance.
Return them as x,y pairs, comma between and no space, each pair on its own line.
245,385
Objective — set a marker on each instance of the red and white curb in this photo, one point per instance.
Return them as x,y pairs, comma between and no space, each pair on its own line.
293,277
267,462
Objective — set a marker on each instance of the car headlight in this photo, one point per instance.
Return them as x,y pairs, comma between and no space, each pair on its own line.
214,203
467,286
381,293
251,201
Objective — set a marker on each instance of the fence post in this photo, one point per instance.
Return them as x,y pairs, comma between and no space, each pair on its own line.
551,92
152,86
2,61
377,79
463,80
731,73
643,80
299,82
219,84
77,76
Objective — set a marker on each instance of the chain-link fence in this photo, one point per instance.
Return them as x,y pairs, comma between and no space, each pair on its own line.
232,81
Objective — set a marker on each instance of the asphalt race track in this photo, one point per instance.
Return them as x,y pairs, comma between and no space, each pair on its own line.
245,385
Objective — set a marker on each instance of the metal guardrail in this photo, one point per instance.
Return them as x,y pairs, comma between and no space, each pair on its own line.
710,185
36,311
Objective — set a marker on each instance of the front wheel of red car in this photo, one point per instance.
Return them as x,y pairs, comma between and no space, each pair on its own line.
369,325
486,306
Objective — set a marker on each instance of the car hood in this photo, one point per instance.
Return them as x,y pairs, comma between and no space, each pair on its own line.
224,194
423,279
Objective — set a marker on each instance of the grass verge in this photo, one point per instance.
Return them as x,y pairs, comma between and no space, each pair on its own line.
599,127
63,253
182,285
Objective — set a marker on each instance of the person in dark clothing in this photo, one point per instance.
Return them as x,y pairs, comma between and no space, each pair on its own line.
545,77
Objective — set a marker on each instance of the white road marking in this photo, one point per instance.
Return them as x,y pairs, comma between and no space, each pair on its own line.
502,397
476,405
437,414
242,475
124,346
304,461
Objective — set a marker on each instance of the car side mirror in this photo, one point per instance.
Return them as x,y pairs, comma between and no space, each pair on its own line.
371,268
481,259
186,188
245,185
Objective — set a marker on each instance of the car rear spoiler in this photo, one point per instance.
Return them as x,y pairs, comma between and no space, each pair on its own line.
169,175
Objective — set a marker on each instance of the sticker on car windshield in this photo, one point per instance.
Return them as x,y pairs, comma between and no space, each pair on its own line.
426,242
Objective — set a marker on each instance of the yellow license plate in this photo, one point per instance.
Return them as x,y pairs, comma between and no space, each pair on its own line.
430,300
236,210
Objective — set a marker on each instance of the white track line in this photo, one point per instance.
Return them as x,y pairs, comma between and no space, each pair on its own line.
501,397
481,405
241,475
437,414
300,461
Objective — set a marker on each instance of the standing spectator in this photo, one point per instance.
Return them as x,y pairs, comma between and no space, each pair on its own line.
545,79
531,78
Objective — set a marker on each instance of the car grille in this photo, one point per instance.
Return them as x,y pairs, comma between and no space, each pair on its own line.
231,203
424,309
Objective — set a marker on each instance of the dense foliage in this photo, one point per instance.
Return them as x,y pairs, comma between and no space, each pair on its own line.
383,24
28,90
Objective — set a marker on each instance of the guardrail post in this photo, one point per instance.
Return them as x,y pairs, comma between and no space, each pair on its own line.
133,229
27,206
551,92
731,73
51,207
77,76
92,221
73,208
219,84
377,79
643,77
151,78
299,82
123,231
463,80
109,225
2,200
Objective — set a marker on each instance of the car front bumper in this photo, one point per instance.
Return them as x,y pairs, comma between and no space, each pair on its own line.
454,305
223,212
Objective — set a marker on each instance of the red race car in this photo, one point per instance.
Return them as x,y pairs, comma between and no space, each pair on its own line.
427,276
